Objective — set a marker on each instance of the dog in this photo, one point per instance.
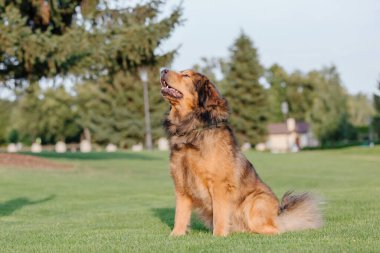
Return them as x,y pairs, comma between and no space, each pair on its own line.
210,173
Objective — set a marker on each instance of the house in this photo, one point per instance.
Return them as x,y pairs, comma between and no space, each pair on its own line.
291,135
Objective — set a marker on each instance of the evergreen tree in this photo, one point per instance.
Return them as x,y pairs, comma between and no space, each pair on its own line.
208,67
103,47
112,109
246,96
117,113
131,39
39,39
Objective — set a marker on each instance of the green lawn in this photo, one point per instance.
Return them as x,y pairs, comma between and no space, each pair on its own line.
123,202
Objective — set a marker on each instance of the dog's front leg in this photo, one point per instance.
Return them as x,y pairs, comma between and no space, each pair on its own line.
182,214
221,205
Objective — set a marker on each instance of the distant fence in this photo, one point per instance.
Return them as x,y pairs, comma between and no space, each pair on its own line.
71,147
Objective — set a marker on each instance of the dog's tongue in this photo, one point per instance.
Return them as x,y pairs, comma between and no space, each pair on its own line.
171,91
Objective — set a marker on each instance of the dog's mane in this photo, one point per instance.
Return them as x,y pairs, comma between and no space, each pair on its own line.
180,126
210,109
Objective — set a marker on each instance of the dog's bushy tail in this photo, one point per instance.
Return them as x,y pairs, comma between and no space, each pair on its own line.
299,212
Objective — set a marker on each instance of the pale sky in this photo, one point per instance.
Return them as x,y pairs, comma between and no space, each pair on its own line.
297,34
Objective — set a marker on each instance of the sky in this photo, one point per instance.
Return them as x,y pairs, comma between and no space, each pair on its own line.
297,34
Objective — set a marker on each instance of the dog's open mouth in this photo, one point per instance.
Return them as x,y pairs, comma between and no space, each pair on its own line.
167,90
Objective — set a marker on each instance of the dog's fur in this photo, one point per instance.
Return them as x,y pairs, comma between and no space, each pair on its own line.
210,173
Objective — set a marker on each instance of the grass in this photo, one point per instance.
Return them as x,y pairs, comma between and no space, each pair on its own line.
123,202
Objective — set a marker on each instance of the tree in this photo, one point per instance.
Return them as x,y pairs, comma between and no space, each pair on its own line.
299,95
376,118
130,41
158,106
116,115
5,115
295,89
208,67
246,96
376,99
360,110
328,113
103,47
47,114
26,115
39,39
277,78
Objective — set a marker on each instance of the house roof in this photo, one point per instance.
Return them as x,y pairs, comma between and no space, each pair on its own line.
282,128
278,128
302,127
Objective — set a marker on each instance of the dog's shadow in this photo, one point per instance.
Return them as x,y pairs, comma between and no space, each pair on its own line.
9,207
166,215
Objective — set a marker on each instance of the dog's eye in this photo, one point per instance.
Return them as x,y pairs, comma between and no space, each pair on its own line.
185,75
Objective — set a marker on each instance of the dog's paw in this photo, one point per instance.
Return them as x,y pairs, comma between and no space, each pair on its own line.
175,233
220,233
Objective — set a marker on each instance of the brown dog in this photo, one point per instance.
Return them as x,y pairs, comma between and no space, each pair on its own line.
210,173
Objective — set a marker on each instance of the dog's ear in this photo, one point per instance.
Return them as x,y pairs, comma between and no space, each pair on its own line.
210,100
208,95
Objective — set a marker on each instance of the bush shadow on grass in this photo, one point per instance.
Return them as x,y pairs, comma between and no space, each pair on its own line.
166,215
94,155
10,206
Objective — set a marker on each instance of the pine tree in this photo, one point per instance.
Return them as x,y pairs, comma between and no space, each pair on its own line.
40,39
245,94
128,41
209,67
112,109
103,47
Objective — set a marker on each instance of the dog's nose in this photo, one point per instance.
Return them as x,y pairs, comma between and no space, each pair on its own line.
164,71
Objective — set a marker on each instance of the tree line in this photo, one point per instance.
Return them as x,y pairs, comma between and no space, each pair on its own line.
98,48
258,96
102,50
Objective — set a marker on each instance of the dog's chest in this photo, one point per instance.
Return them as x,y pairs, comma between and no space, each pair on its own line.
190,173
198,188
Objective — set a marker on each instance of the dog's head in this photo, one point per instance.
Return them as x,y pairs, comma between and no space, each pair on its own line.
191,92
